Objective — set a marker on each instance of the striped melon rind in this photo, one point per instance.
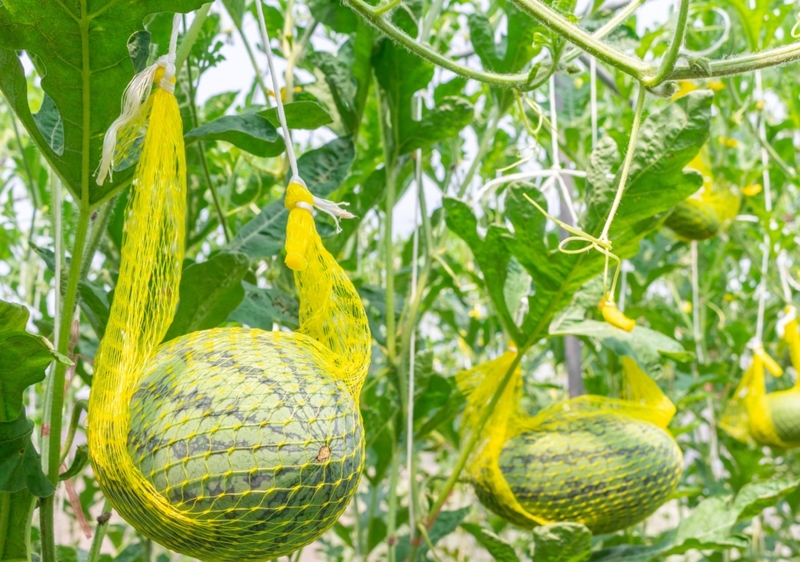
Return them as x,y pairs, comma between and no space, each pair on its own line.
604,470
693,219
784,408
245,429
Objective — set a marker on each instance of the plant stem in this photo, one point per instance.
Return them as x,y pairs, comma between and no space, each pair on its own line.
5,511
46,508
79,407
202,152
636,68
391,516
671,56
637,117
475,434
99,533
190,36
388,246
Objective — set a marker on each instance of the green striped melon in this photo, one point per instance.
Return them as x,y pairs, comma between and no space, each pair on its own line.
245,429
784,407
693,219
607,471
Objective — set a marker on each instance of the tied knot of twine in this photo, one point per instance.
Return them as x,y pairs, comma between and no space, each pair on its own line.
298,196
165,73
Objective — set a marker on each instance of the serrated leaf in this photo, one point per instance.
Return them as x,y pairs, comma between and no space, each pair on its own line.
668,140
300,115
323,170
490,253
250,132
209,292
24,357
83,50
442,122
261,307
755,497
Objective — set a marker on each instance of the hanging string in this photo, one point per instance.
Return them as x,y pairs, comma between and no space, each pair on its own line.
593,98
277,89
329,207
565,194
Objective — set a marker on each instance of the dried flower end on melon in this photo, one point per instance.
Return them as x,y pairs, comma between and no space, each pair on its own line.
245,430
693,219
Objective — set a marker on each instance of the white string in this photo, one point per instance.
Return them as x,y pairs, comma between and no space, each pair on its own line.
593,98
134,97
276,87
762,287
783,269
556,157
412,342
696,302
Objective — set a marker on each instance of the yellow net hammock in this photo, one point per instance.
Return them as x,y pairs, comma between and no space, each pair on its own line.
604,462
754,416
230,443
712,209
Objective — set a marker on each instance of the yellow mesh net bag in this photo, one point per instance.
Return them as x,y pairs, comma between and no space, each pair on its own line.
754,416
231,443
604,462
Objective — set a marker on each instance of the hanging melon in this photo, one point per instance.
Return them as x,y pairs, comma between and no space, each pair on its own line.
232,443
754,416
606,463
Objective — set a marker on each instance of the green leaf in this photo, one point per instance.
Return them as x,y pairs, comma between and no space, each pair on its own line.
494,545
21,507
79,462
343,86
20,464
83,48
516,48
24,358
323,170
490,254
443,122
755,497
300,115
48,119
250,132
139,49
668,140
562,542
334,14
209,292
261,307
644,345
236,10
95,306
401,74
216,106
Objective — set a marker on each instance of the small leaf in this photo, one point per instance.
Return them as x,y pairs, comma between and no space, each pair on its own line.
24,358
755,497
139,49
443,122
334,14
300,115
562,542
95,306
250,132
20,464
48,119
494,545
79,462
261,307
209,292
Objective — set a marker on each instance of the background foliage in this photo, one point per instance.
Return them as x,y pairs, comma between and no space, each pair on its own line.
490,272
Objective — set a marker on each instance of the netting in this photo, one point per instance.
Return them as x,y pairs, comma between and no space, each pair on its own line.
225,444
607,463
754,416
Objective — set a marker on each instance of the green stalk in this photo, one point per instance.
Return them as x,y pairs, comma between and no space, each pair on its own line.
202,153
391,516
671,56
98,230
475,434
99,533
5,511
190,36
